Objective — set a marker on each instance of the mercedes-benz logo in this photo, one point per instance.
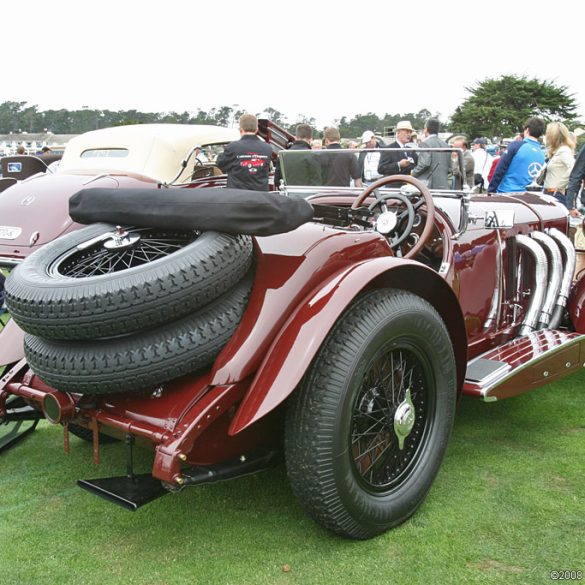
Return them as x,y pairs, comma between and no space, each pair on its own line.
533,169
27,200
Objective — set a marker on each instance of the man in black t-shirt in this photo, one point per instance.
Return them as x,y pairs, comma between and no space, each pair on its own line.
247,160
339,168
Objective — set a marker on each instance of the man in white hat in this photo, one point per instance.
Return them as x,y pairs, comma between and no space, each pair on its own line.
369,160
402,161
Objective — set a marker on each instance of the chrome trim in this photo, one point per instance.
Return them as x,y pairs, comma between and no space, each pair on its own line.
569,250
404,419
34,238
464,217
555,274
100,176
540,277
496,304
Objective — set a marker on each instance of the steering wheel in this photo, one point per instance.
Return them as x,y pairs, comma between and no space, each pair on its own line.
409,213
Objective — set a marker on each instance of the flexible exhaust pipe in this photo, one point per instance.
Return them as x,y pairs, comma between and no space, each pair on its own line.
571,258
555,274
540,277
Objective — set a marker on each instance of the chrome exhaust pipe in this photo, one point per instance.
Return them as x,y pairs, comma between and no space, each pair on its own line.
555,274
540,277
571,258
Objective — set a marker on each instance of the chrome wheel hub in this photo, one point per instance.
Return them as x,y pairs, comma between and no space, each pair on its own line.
404,419
121,239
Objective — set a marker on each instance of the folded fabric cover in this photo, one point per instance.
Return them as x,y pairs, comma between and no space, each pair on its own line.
233,211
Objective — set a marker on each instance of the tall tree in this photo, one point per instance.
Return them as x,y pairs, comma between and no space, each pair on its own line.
499,107
275,116
357,125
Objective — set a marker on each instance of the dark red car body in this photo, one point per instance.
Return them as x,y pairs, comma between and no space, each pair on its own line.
477,279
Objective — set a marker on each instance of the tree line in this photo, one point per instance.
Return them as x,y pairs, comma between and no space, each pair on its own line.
495,107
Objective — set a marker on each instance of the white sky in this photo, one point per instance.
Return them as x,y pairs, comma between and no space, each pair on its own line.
322,59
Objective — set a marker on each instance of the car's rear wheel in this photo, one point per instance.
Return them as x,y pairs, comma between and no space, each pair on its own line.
369,426
100,281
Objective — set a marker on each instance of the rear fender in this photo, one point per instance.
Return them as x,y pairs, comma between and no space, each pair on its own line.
300,338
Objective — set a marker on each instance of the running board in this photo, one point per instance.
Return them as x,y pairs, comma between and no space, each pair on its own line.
524,363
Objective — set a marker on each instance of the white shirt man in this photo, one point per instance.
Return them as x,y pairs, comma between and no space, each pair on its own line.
483,160
369,160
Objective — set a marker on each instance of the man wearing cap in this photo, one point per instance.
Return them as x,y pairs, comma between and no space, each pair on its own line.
483,162
399,162
369,160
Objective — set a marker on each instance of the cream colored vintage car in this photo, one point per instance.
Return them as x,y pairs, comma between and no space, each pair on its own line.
166,153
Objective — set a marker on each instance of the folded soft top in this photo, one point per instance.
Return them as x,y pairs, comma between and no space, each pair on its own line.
233,211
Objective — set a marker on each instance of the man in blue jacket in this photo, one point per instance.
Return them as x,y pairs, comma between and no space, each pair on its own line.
521,163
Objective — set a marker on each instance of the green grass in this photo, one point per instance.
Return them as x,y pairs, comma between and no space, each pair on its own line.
507,507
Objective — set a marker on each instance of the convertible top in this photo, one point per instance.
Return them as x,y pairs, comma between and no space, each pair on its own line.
233,211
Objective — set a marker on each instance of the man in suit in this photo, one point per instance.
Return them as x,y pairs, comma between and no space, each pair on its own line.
433,168
399,162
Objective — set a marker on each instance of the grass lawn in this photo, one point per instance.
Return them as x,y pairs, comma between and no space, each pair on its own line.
508,507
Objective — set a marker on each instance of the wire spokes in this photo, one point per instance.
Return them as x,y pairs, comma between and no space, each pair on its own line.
375,447
97,259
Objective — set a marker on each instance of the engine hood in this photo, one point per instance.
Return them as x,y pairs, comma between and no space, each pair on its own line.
40,205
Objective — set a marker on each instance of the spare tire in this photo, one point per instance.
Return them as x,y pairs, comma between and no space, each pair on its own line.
140,360
95,283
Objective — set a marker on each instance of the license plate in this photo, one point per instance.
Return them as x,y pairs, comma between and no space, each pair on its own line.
9,233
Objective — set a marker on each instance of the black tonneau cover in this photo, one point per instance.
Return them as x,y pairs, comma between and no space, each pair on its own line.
233,211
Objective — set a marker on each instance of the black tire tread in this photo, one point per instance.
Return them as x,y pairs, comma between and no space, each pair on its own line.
165,290
142,360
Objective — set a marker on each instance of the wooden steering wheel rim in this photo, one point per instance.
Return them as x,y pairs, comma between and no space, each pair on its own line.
426,195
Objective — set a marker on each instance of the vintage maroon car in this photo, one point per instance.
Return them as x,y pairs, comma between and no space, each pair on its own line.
344,342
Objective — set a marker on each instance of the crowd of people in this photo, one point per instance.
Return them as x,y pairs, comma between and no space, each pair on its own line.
514,169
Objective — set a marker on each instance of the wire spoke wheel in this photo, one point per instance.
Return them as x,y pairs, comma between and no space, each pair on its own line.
147,245
392,377
369,425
